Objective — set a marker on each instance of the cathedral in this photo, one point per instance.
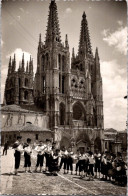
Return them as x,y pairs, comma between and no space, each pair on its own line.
68,91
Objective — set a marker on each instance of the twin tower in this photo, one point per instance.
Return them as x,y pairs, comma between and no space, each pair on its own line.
70,93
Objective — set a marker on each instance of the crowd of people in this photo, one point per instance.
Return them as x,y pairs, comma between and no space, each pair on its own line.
105,166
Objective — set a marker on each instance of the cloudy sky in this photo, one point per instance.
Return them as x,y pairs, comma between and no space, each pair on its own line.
22,21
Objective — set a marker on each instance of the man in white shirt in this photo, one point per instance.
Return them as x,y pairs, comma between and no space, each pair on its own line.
17,146
40,149
27,155
48,152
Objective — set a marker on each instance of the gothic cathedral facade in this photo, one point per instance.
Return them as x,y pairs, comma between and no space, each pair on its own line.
70,93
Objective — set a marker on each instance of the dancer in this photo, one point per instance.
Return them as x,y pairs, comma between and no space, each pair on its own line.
70,161
27,155
54,166
77,156
17,146
97,157
91,165
40,149
48,152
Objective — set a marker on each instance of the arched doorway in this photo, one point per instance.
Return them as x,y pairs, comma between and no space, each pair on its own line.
65,142
97,144
62,113
78,111
83,142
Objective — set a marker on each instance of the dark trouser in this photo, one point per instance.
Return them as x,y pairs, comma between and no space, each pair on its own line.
5,151
61,162
91,169
69,163
48,160
77,166
98,166
65,163
27,160
82,165
17,159
40,160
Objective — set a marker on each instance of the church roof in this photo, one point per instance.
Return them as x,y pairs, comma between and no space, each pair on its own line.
27,127
22,108
110,130
12,108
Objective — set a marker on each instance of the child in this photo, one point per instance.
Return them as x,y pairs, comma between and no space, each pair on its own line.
40,156
82,164
18,150
91,165
27,155
77,156
97,163
70,161
62,153
104,166
48,152
54,166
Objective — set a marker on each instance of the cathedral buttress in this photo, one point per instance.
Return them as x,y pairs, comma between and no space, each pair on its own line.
53,66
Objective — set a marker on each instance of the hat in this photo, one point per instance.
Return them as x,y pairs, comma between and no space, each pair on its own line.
47,140
28,140
19,137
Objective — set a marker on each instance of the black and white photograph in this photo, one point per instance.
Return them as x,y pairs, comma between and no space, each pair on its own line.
63,97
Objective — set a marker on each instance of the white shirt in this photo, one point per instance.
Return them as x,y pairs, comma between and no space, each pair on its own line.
91,159
41,149
28,149
19,148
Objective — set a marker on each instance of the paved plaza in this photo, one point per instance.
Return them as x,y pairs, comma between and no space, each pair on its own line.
39,183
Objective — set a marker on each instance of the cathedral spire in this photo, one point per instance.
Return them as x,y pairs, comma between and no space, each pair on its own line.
84,43
73,53
31,65
40,38
97,63
23,62
66,41
10,66
27,67
53,30
14,64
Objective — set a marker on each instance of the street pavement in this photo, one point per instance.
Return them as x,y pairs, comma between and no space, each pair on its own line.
42,184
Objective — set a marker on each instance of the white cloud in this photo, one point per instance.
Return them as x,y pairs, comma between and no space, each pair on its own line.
114,90
118,39
68,10
19,52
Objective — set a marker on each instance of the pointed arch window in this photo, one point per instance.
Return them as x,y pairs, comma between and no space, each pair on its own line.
59,61
26,82
43,84
63,63
62,113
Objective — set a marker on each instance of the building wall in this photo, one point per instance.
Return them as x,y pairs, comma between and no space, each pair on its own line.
20,118
11,136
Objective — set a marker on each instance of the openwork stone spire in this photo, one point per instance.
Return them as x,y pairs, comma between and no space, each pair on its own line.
53,30
84,43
